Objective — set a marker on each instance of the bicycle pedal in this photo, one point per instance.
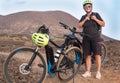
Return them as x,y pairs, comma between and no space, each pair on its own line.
40,65
60,70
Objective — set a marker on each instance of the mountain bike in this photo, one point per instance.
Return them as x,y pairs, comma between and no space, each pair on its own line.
27,65
78,43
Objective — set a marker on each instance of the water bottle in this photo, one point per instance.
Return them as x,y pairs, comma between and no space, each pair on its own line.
57,54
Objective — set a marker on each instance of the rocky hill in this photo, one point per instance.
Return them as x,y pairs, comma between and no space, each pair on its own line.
28,22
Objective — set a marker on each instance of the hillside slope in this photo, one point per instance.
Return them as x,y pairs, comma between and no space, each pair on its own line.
28,22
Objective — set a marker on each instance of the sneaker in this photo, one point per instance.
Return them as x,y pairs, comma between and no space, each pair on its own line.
86,74
98,75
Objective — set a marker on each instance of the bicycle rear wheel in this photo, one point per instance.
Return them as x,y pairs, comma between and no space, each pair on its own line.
103,53
103,56
14,67
68,64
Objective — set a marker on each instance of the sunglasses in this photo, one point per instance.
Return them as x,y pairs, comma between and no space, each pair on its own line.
88,6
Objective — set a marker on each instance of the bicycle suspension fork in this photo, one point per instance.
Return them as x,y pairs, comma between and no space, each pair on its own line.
32,58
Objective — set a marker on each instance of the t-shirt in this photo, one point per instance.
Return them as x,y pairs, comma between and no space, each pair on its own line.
91,27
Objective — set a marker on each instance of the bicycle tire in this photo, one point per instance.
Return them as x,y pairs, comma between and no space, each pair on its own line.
103,57
103,53
14,67
63,62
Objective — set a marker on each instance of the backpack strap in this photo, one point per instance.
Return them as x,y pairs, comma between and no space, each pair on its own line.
96,14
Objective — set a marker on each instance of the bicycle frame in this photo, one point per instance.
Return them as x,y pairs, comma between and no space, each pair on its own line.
70,39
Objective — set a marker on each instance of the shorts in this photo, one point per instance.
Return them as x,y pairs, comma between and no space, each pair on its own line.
91,46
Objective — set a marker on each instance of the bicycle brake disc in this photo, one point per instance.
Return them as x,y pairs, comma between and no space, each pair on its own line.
23,70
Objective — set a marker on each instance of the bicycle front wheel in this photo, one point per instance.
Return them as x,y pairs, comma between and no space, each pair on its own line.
68,64
14,67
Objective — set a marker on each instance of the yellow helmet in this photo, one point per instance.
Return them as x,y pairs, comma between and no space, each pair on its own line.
87,2
40,39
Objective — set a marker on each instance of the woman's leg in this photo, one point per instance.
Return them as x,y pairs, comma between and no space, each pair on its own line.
98,63
87,66
88,63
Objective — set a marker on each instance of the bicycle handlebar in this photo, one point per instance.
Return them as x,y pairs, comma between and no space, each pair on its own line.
73,30
43,29
64,25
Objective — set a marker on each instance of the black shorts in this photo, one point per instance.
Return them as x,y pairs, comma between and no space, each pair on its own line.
91,45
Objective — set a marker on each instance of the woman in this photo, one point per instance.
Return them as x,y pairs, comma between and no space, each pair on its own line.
91,23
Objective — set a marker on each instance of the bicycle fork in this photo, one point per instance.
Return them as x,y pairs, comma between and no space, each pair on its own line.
27,67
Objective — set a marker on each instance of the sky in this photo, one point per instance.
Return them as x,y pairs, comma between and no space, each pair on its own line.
108,9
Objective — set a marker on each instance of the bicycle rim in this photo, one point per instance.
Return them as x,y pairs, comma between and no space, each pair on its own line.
16,62
103,53
68,67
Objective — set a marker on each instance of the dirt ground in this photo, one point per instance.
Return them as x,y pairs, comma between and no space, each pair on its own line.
110,74
110,71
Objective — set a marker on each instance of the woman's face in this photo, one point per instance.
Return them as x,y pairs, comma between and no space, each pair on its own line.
88,8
